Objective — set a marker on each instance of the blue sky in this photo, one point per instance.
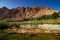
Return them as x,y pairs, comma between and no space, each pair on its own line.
55,4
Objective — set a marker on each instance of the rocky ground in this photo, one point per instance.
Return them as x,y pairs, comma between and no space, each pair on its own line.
30,29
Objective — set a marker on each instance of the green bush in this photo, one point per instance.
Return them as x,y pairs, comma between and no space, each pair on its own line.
4,25
55,15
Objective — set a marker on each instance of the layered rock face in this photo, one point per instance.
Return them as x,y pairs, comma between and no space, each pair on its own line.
22,12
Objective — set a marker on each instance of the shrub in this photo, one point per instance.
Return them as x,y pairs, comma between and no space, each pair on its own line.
3,25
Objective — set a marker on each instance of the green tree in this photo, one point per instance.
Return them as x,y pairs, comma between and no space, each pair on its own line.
55,15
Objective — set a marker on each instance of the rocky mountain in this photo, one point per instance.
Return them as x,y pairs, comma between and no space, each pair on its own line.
22,12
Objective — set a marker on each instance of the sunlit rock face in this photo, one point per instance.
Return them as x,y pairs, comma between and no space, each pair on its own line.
20,13
35,29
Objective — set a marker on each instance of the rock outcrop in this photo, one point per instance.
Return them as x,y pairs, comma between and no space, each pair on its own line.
22,12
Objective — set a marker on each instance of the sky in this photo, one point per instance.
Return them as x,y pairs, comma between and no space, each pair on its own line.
55,4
